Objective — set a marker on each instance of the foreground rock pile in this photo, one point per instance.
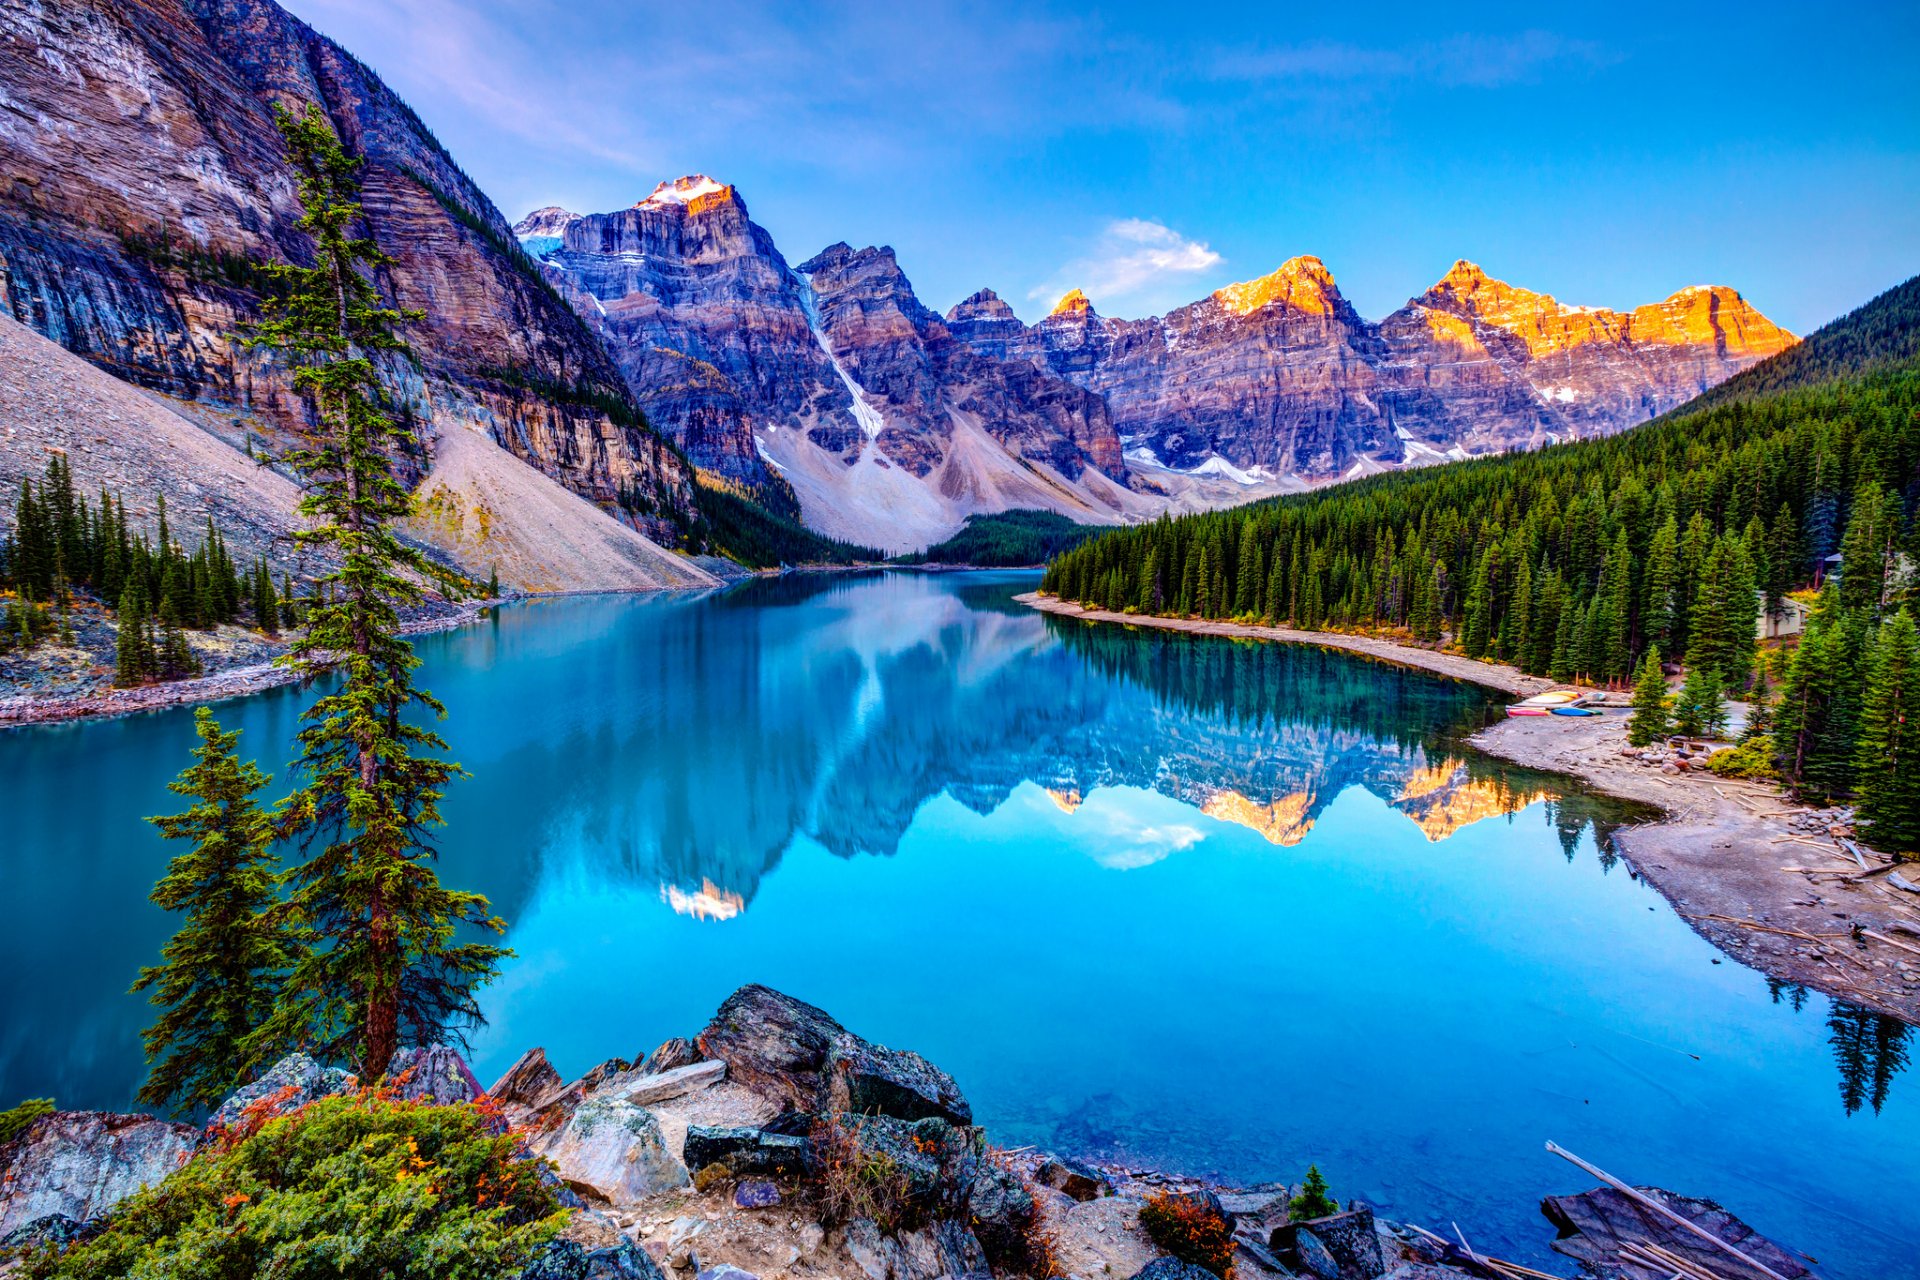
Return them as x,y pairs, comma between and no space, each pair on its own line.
777,1145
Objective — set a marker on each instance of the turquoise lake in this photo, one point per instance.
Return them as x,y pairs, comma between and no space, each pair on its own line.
1216,906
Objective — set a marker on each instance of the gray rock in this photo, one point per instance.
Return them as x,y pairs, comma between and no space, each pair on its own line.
1595,1224
945,1250
1072,1179
56,1231
79,1164
1340,1246
569,1260
725,1271
1001,1212
434,1074
875,1080
614,1150
1171,1268
526,1081
659,1086
611,1069
677,1052
745,1151
755,1193
288,1085
796,1054
935,1162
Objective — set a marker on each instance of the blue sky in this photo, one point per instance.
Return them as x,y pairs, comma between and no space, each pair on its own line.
1150,153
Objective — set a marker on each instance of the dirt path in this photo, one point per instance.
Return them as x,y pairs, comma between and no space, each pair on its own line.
1728,855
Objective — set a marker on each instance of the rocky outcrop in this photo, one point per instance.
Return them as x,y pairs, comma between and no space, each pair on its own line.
286,1086
1605,1231
830,387
614,1150
798,1056
79,1164
144,184
1280,376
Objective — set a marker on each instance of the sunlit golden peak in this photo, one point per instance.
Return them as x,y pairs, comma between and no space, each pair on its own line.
1302,283
1286,821
1067,800
1073,304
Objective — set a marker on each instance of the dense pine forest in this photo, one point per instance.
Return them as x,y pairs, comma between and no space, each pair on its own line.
1005,539
62,549
1582,561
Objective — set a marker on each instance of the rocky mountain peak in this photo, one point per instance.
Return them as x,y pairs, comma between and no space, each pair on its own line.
1074,305
550,221
984,305
695,193
1301,283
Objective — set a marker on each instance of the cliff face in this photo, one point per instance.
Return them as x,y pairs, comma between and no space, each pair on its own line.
832,382
142,182
1280,377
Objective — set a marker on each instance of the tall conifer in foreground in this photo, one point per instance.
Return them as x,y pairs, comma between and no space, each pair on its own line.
385,967
1649,720
1887,758
222,971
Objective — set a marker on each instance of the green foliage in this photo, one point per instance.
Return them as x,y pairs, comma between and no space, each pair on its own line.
1884,333
1700,708
61,545
1649,722
1191,1228
1570,561
354,1187
1313,1200
1887,751
383,961
1009,539
755,535
1753,758
223,969
14,1120
1815,723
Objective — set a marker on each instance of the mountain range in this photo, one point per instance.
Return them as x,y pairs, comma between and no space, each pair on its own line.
580,377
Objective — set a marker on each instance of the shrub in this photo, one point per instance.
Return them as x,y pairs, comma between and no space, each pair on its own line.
1192,1228
350,1187
1313,1200
14,1122
858,1181
1753,758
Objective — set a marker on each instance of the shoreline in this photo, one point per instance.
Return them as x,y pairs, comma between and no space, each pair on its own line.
1724,855
234,682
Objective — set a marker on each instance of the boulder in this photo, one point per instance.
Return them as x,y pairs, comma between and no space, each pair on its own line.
1171,1268
874,1080
772,1043
797,1055
932,1163
433,1074
1340,1246
1071,1178
945,1251
614,1150
1001,1211
526,1081
745,1151
677,1052
659,1086
55,1231
725,1271
755,1193
79,1164
569,1260
288,1085
611,1069
1595,1224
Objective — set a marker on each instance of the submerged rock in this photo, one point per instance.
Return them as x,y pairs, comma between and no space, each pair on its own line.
288,1085
1594,1226
79,1164
614,1150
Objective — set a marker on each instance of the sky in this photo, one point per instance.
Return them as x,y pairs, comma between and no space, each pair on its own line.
1151,153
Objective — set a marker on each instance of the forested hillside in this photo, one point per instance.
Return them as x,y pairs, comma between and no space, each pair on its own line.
1006,539
1578,561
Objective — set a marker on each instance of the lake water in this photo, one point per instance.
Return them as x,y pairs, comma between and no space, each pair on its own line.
1217,906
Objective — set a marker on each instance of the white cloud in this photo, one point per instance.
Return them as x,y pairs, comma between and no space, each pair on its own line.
1130,257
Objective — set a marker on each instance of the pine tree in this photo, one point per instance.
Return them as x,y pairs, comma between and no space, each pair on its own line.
493,584
1887,754
387,965
1701,709
1813,732
1649,720
133,660
222,971
1313,1200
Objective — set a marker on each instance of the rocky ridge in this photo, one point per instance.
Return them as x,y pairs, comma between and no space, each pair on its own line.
1281,377
779,1145
144,184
